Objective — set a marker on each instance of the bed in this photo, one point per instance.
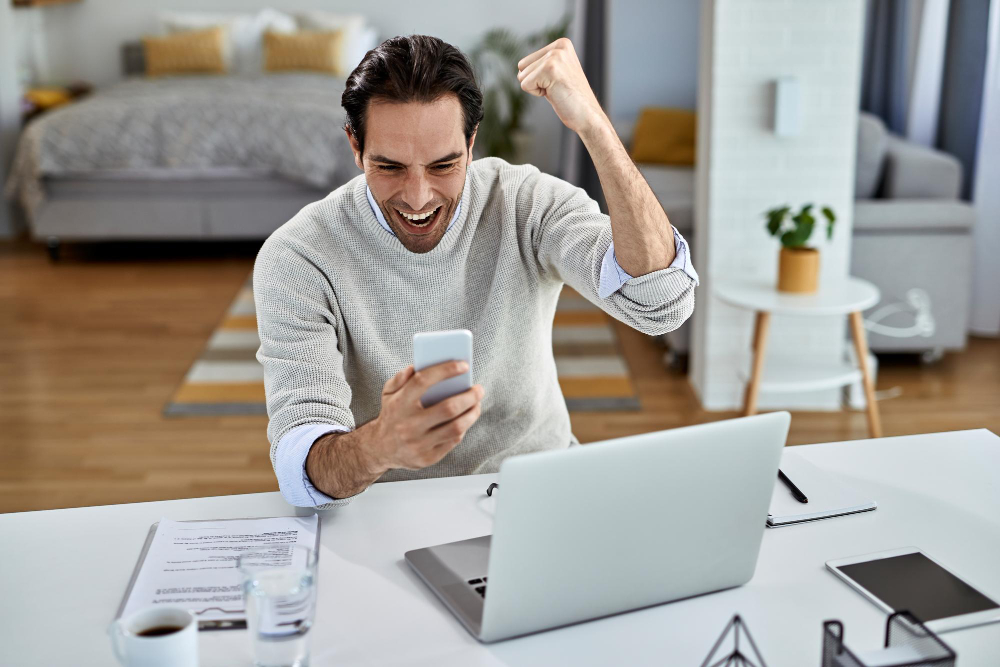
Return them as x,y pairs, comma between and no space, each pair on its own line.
183,157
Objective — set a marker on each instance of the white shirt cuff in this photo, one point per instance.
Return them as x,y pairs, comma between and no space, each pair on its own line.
614,276
290,464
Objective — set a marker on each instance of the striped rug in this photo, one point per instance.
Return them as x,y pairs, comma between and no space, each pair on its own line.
227,380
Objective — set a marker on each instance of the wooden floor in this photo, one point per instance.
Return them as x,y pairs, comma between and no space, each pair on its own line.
94,346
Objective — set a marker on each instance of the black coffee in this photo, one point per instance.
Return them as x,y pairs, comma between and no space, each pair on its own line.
160,630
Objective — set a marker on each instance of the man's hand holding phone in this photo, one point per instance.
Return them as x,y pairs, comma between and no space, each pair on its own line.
404,435
413,436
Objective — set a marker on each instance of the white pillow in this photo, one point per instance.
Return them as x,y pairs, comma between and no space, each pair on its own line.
245,33
366,42
357,37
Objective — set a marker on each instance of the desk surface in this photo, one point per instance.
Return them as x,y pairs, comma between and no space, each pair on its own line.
64,571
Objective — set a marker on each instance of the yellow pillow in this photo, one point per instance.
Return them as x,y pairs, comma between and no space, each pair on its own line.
191,51
303,50
664,136
47,98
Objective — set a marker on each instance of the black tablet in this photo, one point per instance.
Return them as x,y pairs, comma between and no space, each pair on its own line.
907,579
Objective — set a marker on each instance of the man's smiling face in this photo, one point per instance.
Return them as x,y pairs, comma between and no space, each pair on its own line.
415,160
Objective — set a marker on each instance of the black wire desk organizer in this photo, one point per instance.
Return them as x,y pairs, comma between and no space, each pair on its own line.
902,630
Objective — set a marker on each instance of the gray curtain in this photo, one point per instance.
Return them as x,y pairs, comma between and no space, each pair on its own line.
587,33
962,85
884,73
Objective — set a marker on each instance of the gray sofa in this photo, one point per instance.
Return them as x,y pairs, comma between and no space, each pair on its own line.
912,238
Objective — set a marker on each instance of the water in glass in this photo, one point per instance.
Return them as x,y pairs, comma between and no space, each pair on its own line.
280,603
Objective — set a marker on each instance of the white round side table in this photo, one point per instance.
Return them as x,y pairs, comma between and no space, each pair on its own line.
849,297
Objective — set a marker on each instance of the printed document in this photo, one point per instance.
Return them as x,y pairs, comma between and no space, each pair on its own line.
192,564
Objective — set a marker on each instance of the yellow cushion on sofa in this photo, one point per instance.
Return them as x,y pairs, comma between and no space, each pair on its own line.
191,51
664,136
317,51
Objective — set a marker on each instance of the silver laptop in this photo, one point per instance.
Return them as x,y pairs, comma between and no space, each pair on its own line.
613,526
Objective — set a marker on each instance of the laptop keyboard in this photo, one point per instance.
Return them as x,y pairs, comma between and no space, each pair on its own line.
479,585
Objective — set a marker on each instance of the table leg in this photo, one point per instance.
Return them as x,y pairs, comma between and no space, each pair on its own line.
761,324
861,348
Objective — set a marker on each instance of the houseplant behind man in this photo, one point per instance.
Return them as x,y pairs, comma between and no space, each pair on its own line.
426,239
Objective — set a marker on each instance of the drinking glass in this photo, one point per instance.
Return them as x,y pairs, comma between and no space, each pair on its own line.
279,589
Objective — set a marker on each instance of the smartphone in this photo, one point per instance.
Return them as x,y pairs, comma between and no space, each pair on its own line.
436,347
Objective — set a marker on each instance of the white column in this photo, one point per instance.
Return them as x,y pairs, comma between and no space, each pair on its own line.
743,169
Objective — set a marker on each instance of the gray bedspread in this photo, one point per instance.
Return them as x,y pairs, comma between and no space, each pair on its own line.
288,124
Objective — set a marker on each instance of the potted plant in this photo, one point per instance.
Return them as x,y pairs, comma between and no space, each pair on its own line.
798,265
495,61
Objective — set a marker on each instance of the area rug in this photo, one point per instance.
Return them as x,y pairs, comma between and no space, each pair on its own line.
227,379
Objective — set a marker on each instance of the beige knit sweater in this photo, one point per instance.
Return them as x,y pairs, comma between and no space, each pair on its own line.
339,299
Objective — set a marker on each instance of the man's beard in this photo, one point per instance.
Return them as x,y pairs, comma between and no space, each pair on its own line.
414,241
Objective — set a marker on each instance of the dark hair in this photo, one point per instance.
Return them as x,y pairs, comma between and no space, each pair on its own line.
415,68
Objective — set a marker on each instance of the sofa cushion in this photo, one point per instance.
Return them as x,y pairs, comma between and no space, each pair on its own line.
872,144
913,171
674,188
664,136
882,215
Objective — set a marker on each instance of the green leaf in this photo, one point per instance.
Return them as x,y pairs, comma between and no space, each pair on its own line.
774,219
773,222
830,219
803,217
796,238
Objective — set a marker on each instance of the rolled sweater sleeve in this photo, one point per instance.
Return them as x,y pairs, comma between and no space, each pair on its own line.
290,466
570,238
613,276
303,362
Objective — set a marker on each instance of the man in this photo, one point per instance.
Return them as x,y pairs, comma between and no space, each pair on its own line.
427,240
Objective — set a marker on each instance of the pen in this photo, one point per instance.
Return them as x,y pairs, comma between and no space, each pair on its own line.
796,493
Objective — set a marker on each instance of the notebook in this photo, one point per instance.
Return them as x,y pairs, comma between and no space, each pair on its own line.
829,494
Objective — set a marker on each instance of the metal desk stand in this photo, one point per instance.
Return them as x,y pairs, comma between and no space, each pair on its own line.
734,658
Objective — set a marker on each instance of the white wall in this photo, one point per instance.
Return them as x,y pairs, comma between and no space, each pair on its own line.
83,39
743,168
652,50
10,113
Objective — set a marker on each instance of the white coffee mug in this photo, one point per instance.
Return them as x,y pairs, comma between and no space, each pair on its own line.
156,637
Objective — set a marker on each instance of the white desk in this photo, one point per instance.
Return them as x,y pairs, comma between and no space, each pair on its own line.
63,572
